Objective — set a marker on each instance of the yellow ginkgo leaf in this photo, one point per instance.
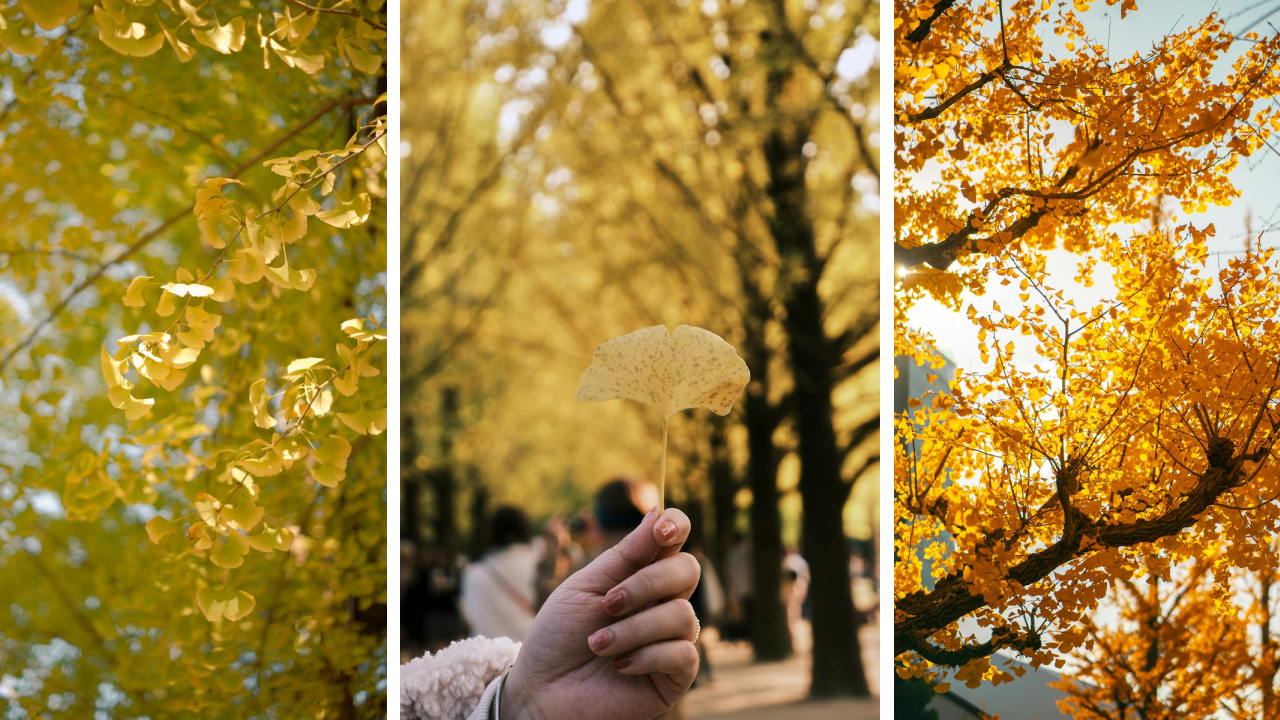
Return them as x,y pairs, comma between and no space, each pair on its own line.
124,37
195,290
219,603
271,539
258,400
298,368
158,527
230,554
331,461
49,14
368,421
245,517
226,39
670,372
133,296
346,214
247,266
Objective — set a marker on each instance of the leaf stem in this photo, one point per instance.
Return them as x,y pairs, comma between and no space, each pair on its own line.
662,472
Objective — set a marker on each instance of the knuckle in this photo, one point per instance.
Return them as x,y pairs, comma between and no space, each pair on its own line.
683,609
689,653
643,585
691,566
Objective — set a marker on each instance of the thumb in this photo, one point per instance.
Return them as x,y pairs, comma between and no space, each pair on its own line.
637,550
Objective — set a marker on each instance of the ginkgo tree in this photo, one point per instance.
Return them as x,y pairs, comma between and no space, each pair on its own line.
1100,439
193,302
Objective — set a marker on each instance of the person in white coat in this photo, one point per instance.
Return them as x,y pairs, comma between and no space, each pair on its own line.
499,590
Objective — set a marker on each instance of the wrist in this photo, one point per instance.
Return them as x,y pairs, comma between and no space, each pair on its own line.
518,697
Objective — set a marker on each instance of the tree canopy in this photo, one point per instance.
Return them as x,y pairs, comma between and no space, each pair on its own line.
193,307
1099,440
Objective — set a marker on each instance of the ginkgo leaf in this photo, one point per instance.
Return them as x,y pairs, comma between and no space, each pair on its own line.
331,461
348,213
271,539
230,554
298,368
133,296
690,368
286,277
670,372
263,466
193,17
258,399
19,44
207,507
219,603
49,14
226,39
310,64
181,49
158,527
184,289
245,517
247,266
368,421
124,37
223,289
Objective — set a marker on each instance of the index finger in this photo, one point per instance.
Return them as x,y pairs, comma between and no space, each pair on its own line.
670,531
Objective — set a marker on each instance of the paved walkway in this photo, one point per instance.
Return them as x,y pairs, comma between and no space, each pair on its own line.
743,690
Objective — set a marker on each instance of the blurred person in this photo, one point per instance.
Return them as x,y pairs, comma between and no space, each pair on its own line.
561,557
739,587
795,585
618,507
499,591
615,641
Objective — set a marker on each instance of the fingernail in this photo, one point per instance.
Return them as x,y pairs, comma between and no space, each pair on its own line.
600,639
621,661
615,602
668,529
652,510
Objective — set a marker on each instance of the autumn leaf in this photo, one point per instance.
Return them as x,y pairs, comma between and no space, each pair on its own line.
220,603
669,372
330,461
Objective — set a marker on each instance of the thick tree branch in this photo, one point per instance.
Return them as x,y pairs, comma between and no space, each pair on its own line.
922,30
928,612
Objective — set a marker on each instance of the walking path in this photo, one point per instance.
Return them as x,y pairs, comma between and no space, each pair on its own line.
743,690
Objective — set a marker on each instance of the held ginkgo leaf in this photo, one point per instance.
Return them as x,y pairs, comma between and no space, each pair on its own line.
689,368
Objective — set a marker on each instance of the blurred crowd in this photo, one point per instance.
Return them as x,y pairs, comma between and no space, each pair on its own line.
447,596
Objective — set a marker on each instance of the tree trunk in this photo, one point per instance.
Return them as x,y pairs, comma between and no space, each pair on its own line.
724,490
837,657
770,633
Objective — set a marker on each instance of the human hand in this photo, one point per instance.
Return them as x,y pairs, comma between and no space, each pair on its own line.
580,660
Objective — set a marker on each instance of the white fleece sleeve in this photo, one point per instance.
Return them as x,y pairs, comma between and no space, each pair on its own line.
450,684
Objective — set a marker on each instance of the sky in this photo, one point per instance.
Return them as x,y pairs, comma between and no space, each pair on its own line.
1257,177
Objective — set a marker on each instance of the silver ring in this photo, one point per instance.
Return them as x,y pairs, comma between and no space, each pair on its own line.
696,633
